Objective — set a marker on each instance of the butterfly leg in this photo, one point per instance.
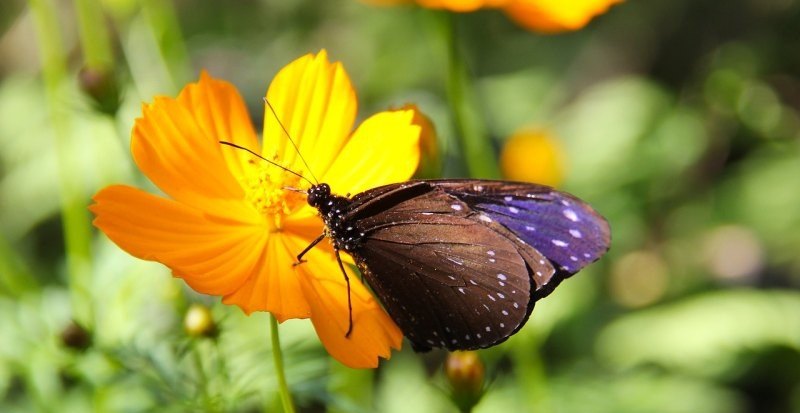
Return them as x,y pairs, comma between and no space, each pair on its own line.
349,301
300,259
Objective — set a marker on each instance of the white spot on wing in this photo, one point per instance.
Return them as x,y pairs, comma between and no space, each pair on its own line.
456,207
571,215
575,233
529,228
490,253
455,261
491,297
559,243
501,295
484,218
507,198
461,290
513,210
501,276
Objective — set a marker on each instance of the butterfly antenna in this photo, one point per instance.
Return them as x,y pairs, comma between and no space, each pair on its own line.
267,160
269,105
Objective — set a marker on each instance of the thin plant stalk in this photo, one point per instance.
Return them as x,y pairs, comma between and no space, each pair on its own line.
74,215
162,19
476,147
277,358
94,35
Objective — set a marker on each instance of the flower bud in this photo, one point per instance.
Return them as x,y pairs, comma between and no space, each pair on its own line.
465,374
100,85
76,337
199,322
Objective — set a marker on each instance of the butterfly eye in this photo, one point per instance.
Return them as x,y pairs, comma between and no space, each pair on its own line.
312,198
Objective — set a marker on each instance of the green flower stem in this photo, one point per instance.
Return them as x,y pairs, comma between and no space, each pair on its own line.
74,215
476,147
95,41
208,402
277,358
162,20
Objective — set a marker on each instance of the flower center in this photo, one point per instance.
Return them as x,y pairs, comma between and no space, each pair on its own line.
266,191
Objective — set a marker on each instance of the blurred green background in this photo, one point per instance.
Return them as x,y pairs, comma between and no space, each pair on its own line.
679,121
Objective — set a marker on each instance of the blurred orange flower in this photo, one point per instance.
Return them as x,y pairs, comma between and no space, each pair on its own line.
554,16
532,156
228,226
545,16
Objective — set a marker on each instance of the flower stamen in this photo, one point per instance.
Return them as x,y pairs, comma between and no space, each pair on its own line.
265,191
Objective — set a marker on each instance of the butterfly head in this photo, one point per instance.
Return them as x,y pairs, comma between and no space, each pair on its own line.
318,195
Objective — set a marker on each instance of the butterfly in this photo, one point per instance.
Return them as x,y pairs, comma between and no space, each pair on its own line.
459,263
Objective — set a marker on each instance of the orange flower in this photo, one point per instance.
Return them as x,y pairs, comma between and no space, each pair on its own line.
545,16
554,16
461,5
229,226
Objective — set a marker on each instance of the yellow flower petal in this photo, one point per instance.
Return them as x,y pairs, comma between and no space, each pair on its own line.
274,285
182,156
221,113
374,333
430,165
553,16
315,101
383,150
219,257
214,256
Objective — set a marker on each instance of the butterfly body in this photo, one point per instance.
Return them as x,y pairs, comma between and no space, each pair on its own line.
459,264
